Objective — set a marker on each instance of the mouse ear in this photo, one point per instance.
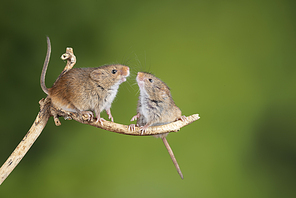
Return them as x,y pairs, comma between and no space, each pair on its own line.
98,75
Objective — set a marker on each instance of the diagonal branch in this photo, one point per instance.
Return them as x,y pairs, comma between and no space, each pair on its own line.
26,143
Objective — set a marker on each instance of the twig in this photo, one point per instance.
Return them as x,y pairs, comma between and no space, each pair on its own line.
123,129
47,110
71,60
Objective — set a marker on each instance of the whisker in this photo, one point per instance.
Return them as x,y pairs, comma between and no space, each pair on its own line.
137,92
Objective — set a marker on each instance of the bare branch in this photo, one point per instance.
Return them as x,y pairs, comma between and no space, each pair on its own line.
26,143
123,129
71,59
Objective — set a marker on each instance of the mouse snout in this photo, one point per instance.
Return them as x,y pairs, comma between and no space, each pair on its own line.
140,76
125,71
140,79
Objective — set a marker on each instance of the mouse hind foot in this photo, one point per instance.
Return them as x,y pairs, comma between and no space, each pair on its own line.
87,115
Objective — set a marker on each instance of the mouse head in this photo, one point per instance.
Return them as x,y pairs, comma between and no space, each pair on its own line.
110,75
153,87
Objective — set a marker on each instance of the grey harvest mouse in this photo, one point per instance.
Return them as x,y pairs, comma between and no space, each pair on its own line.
84,90
156,107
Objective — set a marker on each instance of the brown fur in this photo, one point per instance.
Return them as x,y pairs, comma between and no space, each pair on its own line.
84,90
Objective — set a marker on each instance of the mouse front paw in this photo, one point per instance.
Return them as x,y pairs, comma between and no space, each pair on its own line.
135,117
110,115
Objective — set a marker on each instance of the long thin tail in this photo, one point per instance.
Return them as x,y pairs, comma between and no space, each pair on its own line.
172,156
42,78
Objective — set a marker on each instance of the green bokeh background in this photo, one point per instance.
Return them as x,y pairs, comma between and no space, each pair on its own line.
233,62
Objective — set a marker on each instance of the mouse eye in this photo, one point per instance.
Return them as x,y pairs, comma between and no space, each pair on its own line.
114,71
150,80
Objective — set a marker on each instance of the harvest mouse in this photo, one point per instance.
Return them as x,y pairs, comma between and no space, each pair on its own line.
84,90
156,107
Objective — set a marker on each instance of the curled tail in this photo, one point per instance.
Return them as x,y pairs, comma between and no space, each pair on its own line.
42,78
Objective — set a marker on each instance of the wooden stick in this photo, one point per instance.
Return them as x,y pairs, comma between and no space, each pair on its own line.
123,129
26,143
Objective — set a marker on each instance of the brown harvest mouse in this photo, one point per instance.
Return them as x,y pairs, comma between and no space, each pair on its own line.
156,107
84,90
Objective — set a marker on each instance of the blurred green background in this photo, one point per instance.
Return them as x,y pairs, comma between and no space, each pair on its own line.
233,62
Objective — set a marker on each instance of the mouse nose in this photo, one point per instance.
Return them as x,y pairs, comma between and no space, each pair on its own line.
128,72
140,76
